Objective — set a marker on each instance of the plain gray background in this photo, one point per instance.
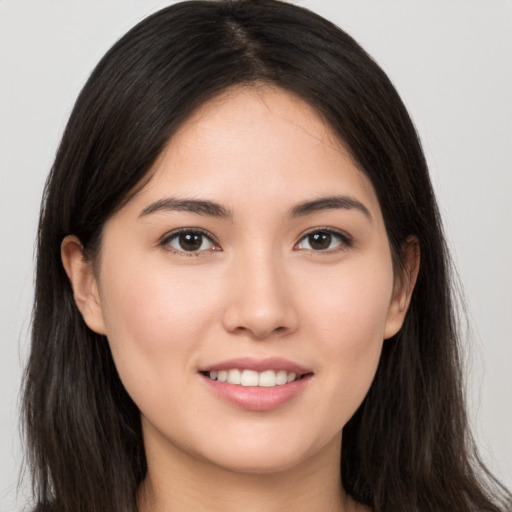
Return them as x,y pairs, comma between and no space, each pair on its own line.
450,61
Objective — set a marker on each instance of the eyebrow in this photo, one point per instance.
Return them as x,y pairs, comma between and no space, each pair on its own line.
330,203
201,207
210,208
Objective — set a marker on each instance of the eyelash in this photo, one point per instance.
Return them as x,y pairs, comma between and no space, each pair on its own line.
345,241
167,239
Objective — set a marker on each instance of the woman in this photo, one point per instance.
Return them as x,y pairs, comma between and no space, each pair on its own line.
242,294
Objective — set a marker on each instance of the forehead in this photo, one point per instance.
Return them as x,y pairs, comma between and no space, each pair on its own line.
253,106
256,142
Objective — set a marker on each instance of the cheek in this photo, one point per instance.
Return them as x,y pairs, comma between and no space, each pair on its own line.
355,301
350,319
150,305
155,320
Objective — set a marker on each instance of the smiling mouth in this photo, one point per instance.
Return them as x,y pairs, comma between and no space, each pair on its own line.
265,379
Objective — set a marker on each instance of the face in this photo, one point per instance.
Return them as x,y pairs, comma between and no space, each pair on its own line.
256,253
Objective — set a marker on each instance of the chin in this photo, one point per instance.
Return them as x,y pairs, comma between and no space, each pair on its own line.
259,464
269,457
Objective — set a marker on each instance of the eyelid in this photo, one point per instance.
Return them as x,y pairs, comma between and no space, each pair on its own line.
164,241
346,239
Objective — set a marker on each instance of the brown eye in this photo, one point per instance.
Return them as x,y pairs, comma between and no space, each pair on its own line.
323,240
319,241
189,241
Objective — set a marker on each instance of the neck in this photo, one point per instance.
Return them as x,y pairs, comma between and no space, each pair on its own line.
176,481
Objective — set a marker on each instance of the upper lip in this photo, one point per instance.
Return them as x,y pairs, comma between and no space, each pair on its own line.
257,365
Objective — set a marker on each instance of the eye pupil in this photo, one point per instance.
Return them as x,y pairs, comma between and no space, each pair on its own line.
190,241
320,240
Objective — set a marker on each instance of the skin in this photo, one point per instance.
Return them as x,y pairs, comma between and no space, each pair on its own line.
258,289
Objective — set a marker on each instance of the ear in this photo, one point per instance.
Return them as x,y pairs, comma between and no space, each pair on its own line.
404,286
83,282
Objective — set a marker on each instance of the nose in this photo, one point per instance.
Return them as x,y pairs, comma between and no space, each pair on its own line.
260,301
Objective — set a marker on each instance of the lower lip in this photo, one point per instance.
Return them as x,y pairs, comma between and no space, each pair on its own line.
255,398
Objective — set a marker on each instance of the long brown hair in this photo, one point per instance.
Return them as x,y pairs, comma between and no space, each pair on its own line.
407,448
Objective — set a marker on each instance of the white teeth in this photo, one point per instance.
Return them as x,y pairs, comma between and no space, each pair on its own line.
266,379
249,378
234,376
281,377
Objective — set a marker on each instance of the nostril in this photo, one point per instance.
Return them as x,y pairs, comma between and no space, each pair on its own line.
259,308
